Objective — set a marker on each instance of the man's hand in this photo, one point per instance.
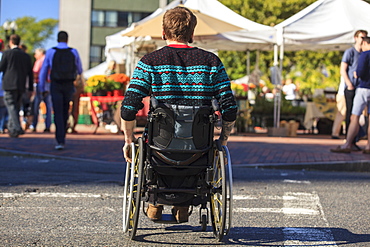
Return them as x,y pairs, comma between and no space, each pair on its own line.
128,130
127,152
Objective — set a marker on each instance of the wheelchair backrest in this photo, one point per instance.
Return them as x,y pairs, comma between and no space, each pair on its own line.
179,127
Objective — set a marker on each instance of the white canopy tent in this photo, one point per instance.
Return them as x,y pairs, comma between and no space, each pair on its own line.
325,24
253,35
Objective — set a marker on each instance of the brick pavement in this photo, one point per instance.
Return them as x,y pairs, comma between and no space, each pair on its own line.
249,148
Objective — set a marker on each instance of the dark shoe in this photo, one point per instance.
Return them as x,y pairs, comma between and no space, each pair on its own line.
154,212
13,134
181,214
356,148
366,151
21,132
47,130
335,137
340,150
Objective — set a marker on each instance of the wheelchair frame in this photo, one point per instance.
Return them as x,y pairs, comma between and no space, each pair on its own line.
215,189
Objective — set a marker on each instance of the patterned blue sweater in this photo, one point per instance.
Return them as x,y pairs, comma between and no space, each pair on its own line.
181,76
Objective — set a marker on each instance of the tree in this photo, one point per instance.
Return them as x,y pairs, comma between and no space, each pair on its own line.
304,67
34,33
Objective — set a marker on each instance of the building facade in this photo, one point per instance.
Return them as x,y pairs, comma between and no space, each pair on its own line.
88,22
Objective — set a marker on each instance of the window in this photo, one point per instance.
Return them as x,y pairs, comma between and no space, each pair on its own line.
96,55
137,16
101,18
111,18
97,18
123,19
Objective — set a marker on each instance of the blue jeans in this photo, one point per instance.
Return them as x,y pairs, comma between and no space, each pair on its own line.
61,95
36,108
3,117
13,101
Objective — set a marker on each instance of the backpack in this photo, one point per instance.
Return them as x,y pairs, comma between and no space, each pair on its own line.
64,66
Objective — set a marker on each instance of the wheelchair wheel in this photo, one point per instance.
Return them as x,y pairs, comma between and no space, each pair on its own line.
220,197
229,188
132,190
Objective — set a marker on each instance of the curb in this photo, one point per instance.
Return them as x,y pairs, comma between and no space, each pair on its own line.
344,166
36,155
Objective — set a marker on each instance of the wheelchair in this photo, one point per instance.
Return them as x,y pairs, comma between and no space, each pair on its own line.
177,162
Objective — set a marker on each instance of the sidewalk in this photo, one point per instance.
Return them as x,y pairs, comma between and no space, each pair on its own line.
248,149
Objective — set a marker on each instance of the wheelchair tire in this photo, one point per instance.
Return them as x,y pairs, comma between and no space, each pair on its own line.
204,222
132,189
229,188
218,194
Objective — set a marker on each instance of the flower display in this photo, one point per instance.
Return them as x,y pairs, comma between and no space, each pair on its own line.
96,83
112,82
118,81
239,90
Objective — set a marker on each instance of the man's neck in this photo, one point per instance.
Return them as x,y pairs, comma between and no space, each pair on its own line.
173,42
358,47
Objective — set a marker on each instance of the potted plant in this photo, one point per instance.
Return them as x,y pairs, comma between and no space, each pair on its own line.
117,83
97,84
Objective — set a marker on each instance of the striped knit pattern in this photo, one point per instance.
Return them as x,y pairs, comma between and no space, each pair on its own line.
181,76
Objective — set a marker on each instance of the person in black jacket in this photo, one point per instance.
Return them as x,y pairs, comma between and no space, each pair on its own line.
16,66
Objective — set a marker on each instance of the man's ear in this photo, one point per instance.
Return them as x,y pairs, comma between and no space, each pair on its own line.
164,36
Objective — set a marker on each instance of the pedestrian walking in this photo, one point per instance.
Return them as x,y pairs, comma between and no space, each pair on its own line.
64,64
3,110
16,66
347,71
361,100
39,97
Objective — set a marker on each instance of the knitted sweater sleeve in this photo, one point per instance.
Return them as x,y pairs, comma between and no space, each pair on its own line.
139,88
224,95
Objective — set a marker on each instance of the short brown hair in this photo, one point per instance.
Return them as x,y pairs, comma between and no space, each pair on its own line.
179,24
15,39
360,31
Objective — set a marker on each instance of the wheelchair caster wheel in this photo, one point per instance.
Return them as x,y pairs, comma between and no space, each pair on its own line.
204,222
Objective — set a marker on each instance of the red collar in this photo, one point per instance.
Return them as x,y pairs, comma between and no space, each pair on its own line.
179,46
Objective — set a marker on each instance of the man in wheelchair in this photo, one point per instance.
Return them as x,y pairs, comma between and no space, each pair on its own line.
178,76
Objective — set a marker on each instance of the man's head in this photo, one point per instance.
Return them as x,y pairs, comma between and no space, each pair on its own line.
358,36
365,43
179,24
63,36
15,39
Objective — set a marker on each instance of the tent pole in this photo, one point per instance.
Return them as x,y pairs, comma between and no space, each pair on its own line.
248,62
279,85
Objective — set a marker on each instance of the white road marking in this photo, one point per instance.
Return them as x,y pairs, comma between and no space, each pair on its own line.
65,195
296,205
306,236
296,181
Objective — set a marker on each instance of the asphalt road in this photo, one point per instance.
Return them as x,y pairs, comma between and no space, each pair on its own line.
55,202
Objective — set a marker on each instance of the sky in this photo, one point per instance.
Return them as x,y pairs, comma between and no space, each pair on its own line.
40,9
